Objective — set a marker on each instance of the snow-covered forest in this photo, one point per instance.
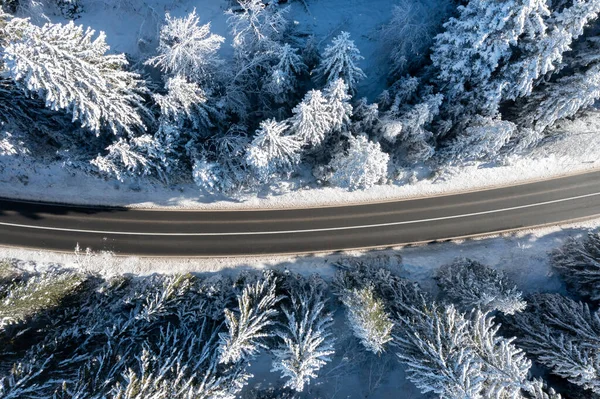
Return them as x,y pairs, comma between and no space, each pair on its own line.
68,333
269,98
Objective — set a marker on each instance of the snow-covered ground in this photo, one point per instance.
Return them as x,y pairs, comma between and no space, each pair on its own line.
23,177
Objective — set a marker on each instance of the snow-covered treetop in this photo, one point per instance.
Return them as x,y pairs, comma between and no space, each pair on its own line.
340,109
68,67
339,61
256,26
188,49
362,166
311,120
184,100
272,150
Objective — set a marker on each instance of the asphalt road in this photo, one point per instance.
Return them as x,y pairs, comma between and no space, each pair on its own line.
254,232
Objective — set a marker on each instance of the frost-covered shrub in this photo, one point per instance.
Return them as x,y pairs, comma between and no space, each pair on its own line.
70,69
469,284
363,165
564,336
339,61
306,335
578,262
185,48
367,318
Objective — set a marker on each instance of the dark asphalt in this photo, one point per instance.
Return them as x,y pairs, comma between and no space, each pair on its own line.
229,233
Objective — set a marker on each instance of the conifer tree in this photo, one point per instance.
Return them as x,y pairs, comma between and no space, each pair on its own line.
363,165
469,284
312,119
564,336
475,46
339,61
69,68
578,262
306,335
187,49
272,150
339,106
284,75
368,318
248,325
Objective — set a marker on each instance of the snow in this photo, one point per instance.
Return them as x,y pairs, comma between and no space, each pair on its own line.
577,151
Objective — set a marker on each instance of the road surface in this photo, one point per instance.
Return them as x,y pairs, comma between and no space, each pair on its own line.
257,232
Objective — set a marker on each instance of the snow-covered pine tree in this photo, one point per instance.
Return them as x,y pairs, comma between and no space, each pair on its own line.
407,127
542,55
367,318
145,337
366,116
375,271
257,29
482,139
434,346
272,150
70,69
306,335
410,32
475,45
256,26
564,336
312,119
250,323
454,356
222,168
137,156
505,366
186,101
339,61
578,262
284,74
188,49
339,106
362,165
560,99
469,284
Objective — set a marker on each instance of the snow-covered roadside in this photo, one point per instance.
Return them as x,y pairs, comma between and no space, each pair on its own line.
522,255
577,151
